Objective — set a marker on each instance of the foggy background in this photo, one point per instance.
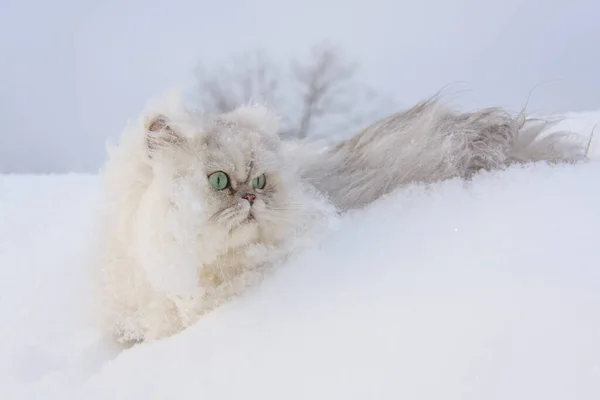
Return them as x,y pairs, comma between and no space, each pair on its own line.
73,71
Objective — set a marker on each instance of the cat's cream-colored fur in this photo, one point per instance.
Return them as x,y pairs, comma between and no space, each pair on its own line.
173,247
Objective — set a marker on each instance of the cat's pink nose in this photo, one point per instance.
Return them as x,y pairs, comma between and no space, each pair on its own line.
250,197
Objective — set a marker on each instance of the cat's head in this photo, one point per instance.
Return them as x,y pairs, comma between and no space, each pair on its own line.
225,171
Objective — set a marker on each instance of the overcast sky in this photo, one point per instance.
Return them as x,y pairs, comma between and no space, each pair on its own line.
73,71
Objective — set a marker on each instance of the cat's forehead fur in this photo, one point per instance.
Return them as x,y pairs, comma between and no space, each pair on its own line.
238,148
237,142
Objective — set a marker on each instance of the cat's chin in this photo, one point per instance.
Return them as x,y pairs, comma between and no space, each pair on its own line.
245,217
249,220
244,233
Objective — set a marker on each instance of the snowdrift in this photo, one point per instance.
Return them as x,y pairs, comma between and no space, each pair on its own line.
481,290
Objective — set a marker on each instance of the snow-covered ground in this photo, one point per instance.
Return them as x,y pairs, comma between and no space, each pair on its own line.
487,290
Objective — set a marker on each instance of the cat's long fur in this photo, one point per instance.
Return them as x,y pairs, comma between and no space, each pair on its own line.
431,142
172,247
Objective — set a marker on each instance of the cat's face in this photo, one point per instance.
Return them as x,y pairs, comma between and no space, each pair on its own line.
229,168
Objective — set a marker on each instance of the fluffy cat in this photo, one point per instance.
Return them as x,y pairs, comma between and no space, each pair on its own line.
197,206
430,142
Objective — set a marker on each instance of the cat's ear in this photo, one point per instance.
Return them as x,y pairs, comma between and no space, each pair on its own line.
258,115
160,134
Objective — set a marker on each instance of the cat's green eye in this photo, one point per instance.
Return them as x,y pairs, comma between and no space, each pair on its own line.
259,182
218,180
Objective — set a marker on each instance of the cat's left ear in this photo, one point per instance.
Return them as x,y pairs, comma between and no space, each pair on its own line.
159,134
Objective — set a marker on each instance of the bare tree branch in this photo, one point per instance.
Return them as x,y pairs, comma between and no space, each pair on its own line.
319,96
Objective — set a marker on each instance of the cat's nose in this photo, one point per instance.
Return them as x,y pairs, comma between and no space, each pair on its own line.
250,197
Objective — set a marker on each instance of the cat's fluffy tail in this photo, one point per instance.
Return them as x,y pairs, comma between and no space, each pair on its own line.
534,141
430,142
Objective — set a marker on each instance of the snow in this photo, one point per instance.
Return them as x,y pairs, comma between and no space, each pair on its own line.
486,290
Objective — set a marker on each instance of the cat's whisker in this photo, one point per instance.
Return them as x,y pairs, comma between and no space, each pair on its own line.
275,217
223,214
285,208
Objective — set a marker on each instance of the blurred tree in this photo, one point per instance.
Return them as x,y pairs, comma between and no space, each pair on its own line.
319,96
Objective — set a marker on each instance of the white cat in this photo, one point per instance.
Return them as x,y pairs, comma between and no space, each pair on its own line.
430,142
199,205
196,207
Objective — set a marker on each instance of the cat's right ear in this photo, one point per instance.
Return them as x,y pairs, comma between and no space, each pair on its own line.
159,134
